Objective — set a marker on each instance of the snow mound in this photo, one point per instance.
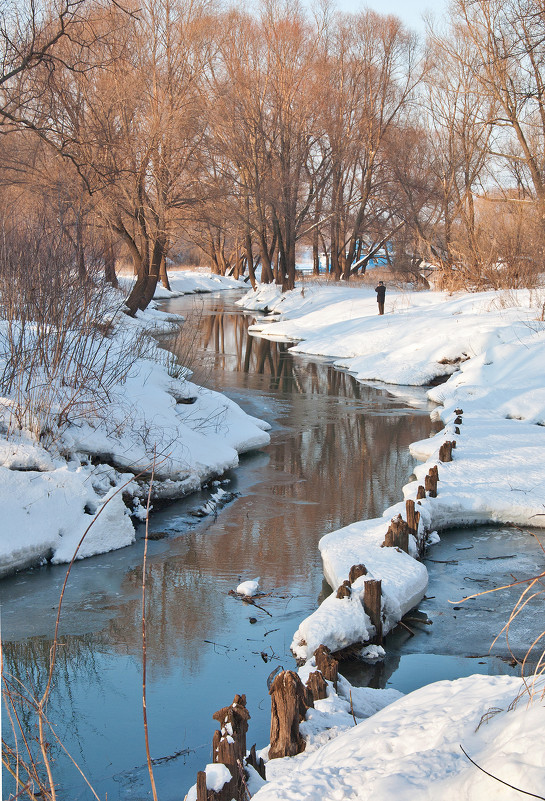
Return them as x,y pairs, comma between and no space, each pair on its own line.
248,588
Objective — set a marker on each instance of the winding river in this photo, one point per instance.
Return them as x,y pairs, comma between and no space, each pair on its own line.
338,453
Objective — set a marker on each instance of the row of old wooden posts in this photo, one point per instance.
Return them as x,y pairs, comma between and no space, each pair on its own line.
290,698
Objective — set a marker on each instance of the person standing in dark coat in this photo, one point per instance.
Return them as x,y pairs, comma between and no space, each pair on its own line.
381,292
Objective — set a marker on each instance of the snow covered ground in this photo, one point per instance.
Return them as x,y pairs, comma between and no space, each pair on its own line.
492,345
412,750
50,493
186,282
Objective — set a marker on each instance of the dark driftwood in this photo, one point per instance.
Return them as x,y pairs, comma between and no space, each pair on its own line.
420,493
316,685
344,590
327,664
397,535
372,603
288,708
356,571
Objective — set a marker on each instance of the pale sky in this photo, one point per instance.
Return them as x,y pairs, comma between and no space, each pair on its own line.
410,11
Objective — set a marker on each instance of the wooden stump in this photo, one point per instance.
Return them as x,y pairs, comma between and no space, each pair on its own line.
327,664
228,791
202,792
431,480
397,535
316,685
458,421
420,493
356,571
372,603
456,430
458,411
229,744
344,590
445,452
413,518
288,708
256,762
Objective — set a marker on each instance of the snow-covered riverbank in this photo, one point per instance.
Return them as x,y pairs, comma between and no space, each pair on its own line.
493,347
51,491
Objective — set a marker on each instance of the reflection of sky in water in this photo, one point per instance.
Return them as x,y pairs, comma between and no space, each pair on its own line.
339,452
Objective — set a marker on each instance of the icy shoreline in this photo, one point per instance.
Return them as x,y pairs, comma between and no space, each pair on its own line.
157,418
492,346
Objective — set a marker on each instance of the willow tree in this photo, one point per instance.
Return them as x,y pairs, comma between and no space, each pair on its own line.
135,126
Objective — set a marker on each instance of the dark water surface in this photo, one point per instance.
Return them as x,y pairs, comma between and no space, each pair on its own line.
339,452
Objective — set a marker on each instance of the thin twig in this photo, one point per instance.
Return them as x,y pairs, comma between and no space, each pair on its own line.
496,589
501,781
144,566
352,710
404,626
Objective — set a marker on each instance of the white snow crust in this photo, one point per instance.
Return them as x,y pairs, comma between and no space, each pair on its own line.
410,750
190,282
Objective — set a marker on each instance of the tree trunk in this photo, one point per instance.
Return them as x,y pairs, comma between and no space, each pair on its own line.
80,251
315,252
163,275
110,276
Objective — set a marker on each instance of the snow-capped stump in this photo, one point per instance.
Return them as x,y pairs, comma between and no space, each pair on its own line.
249,588
229,743
225,779
288,709
327,664
344,591
356,571
228,749
397,535
420,493
212,781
